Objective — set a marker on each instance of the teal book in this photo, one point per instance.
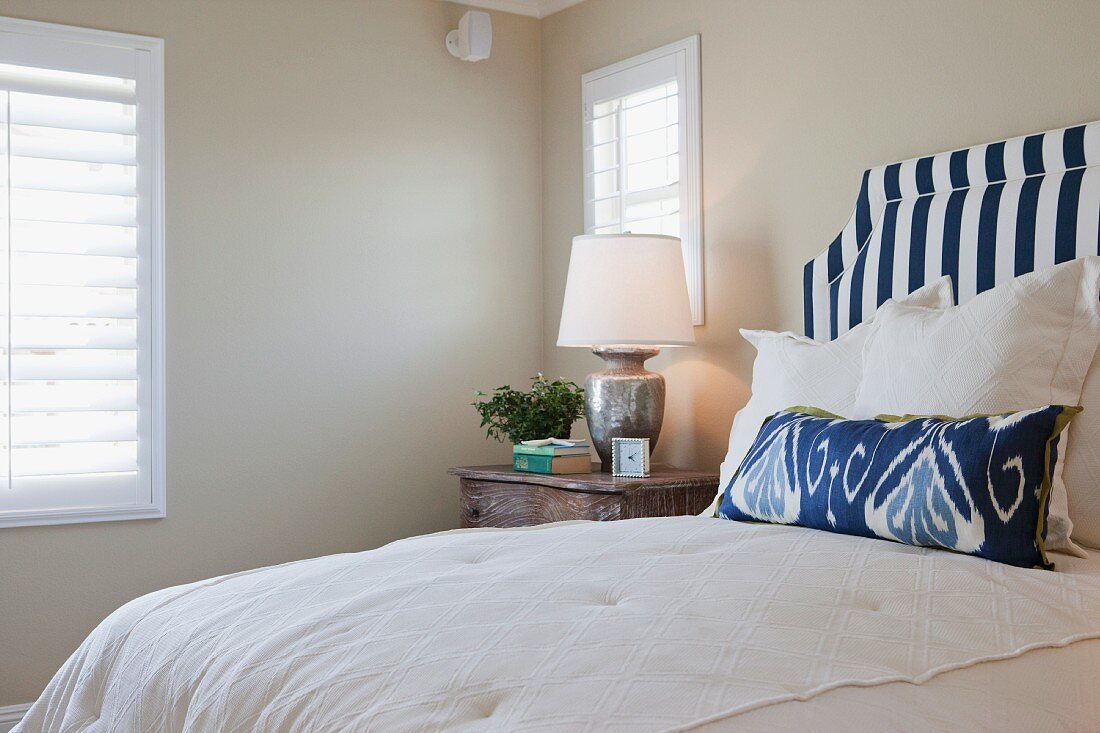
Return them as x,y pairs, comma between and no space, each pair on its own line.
551,464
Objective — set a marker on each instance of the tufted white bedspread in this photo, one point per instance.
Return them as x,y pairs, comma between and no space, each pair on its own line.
641,625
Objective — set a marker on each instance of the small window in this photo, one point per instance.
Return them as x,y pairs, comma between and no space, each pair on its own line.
642,152
81,267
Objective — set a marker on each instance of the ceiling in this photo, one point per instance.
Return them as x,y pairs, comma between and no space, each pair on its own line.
533,8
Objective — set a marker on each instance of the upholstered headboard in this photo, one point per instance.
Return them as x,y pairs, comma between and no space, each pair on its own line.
983,215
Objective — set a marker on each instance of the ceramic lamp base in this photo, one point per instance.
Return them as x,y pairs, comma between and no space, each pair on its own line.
625,400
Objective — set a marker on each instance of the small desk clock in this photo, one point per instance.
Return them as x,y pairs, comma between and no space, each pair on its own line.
630,457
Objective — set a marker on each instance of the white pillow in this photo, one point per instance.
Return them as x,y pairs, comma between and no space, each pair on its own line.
1082,464
793,370
1024,344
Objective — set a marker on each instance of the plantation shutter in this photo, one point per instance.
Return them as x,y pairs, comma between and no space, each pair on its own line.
633,148
79,159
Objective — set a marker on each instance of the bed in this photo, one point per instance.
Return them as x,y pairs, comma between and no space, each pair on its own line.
669,624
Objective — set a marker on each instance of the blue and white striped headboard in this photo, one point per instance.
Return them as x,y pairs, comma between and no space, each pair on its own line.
983,215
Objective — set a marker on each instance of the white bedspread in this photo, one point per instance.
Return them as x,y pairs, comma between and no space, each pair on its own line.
641,625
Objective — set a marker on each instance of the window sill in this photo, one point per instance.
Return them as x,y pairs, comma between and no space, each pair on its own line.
81,516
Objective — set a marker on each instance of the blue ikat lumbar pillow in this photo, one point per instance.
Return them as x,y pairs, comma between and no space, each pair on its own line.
978,485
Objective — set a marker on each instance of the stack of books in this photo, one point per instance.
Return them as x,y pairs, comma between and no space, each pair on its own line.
552,455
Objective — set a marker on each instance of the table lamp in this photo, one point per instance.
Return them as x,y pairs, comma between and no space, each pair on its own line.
625,298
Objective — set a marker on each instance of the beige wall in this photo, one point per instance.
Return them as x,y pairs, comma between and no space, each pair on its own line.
798,99
353,237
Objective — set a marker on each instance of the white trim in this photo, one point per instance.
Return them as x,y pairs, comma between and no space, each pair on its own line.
685,53
85,35
10,715
531,8
691,190
549,7
158,318
151,71
154,510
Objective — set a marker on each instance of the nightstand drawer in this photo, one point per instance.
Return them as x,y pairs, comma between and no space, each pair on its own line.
500,504
497,496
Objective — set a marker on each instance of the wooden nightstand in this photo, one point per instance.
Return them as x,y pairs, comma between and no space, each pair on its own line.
497,496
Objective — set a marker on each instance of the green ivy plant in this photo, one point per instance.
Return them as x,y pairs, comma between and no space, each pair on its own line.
547,411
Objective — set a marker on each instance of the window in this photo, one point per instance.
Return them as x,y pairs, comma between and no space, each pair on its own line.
642,152
81,275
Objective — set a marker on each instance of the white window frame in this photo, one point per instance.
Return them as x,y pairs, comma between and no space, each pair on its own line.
45,37
684,55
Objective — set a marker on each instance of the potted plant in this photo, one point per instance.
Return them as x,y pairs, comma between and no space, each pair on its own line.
547,411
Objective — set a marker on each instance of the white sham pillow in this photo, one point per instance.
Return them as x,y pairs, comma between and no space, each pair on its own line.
1082,464
1024,344
793,370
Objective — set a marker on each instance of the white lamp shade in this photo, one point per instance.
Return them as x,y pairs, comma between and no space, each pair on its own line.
626,290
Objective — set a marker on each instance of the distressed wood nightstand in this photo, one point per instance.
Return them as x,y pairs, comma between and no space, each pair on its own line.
497,496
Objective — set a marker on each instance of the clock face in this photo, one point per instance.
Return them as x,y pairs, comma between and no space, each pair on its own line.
631,456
